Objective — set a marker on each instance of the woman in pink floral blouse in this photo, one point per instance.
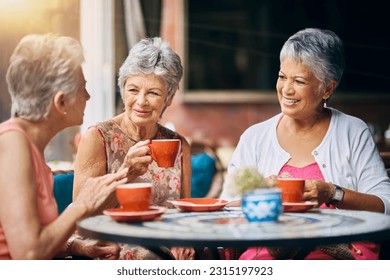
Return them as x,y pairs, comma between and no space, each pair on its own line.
148,81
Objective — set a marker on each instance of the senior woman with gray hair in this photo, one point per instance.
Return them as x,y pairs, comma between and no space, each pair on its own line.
47,88
334,152
148,81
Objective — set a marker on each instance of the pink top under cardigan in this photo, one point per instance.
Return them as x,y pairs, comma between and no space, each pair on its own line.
360,250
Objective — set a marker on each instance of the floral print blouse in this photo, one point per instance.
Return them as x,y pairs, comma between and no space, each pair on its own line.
166,181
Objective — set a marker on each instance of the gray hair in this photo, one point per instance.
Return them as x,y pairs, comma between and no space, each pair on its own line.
152,56
41,66
320,50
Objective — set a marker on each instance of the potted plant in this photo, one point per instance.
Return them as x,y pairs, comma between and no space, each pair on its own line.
261,199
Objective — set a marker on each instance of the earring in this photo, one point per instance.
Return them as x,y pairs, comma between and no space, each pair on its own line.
65,113
325,105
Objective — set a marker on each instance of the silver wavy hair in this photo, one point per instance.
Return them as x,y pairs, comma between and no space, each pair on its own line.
41,66
322,51
152,56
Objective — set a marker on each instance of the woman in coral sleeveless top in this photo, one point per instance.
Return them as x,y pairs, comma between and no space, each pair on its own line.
47,88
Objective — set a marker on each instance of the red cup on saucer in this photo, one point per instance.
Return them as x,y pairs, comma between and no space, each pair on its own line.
134,196
292,189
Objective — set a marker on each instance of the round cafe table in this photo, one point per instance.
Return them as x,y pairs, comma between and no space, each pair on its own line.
228,228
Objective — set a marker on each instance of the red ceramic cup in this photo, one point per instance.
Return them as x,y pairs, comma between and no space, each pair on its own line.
164,151
134,196
292,189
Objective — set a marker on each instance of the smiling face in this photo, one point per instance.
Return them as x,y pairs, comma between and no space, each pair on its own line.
145,97
300,93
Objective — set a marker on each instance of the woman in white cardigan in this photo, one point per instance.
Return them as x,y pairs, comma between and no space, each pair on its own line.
334,152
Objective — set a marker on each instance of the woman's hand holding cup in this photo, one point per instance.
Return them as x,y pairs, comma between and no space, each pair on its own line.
137,160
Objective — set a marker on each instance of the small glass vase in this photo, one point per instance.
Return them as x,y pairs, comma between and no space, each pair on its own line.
262,205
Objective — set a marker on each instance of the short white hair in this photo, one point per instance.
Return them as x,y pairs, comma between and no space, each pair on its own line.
41,66
152,56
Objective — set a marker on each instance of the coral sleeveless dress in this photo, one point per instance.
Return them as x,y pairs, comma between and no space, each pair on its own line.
47,205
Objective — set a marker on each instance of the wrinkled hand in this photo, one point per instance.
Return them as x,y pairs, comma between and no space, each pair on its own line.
137,160
183,253
272,181
101,250
97,190
317,191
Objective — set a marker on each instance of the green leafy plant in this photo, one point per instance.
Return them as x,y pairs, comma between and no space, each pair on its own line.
245,179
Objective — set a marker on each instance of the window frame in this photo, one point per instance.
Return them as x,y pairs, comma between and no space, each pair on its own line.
222,96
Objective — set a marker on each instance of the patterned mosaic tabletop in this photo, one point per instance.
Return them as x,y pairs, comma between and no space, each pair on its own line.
230,228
